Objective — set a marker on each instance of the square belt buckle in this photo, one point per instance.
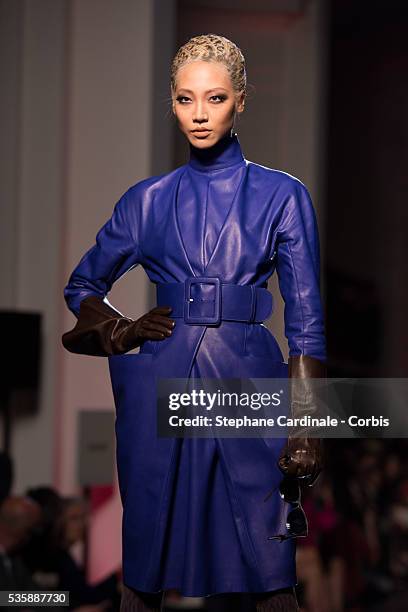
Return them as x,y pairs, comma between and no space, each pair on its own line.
204,280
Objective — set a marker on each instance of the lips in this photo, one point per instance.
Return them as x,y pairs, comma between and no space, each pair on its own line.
201,134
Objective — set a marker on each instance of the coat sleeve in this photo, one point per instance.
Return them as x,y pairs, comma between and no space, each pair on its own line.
114,253
298,269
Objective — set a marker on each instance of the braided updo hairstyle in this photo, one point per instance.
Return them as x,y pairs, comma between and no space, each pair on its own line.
212,48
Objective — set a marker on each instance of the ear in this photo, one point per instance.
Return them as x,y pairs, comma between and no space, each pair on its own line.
173,101
240,105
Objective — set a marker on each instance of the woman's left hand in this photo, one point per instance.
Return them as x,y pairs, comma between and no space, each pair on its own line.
302,456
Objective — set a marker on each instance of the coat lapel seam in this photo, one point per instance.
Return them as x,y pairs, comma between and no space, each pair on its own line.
227,218
176,221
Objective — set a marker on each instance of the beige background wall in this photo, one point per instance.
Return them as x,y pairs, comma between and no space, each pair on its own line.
32,68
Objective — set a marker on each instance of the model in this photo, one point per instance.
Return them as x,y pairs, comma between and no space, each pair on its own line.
209,234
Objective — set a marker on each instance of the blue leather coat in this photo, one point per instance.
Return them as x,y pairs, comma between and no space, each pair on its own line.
219,215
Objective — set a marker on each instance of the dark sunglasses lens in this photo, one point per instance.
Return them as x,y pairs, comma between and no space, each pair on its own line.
290,490
296,522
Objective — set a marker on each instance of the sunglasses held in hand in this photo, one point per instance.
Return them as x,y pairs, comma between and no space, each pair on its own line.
296,522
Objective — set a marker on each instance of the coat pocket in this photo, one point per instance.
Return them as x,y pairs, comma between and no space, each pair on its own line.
134,391
132,375
259,341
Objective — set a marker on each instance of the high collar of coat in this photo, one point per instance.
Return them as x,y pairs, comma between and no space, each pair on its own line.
226,152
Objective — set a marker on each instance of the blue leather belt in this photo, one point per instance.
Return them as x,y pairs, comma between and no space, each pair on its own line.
205,300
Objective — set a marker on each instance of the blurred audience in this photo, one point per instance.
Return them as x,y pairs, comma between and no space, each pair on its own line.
356,554
19,516
49,553
6,475
70,529
37,534
39,552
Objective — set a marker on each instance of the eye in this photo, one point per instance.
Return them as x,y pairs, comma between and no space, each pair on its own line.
220,97
180,98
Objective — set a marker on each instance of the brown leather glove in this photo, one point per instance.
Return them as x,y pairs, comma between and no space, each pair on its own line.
302,457
102,331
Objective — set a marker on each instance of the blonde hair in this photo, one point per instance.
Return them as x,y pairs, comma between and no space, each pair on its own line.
212,48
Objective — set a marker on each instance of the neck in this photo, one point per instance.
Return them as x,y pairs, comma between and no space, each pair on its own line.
224,153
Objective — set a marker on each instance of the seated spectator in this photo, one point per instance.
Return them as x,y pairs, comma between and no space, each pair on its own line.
39,551
6,475
70,529
18,517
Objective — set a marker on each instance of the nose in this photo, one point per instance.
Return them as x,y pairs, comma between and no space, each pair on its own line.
200,113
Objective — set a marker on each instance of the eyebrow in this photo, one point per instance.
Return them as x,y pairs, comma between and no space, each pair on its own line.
208,91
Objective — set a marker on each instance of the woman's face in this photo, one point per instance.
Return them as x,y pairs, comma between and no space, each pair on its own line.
76,518
205,100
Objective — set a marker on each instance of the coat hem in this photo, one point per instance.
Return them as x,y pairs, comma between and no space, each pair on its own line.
233,588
